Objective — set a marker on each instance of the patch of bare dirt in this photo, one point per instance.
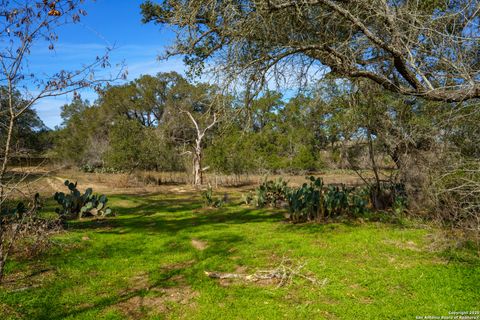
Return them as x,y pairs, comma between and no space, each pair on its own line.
181,190
139,282
199,244
205,210
158,301
321,244
27,280
54,183
400,263
329,301
329,315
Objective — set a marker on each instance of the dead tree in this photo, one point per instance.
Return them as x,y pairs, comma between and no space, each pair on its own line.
197,147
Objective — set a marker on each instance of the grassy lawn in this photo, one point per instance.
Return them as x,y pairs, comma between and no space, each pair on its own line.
149,262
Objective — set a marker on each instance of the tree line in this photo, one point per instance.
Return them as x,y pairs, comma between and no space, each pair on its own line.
153,123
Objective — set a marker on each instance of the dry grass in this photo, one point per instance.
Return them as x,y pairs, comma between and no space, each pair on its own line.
47,180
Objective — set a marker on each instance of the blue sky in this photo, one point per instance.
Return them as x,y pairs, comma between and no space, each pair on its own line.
109,22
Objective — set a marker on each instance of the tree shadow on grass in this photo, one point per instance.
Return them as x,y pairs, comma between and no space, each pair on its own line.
169,216
174,276
345,223
168,278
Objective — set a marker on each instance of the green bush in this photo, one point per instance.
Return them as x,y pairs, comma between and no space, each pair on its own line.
89,168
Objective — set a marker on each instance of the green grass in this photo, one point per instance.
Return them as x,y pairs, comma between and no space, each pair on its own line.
141,264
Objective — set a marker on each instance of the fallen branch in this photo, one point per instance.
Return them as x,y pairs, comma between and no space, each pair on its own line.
25,288
284,273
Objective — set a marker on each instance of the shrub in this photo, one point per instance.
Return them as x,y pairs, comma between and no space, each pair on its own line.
359,201
455,196
89,168
387,195
23,230
77,205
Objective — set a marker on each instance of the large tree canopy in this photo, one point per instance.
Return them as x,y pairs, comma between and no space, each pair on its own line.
144,99
420,48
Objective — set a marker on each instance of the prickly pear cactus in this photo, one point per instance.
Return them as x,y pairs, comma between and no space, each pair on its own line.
77,205
317,201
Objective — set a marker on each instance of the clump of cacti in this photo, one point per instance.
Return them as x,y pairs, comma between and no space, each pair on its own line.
306,202
271,193
209,200
77,205
315,201
311,201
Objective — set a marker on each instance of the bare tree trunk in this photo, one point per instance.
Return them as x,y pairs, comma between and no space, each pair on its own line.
2,255
6,152
4,248
376,195
197,153
8,142
2,267
6,155
197,168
